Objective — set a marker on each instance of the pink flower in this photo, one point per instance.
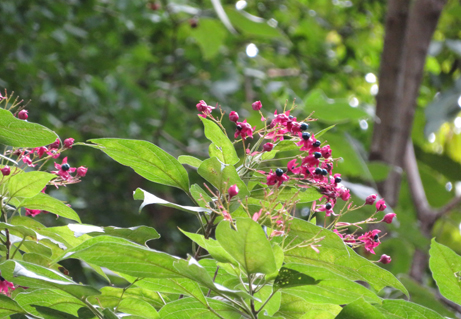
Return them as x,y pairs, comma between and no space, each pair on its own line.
226,215
388,218
326,151
380,205
64,169
371,240
68,142
292,167
55,144
256,105
385,259
6,170
40,151
370,199
81,171
233,116
5,286
268,147
204,108
22,115
233,191
26,159
277,177
244,130
32,212
257,215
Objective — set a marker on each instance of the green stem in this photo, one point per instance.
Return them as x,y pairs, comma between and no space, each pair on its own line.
19,246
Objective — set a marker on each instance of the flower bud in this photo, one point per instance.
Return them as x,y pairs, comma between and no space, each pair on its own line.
370,199
256,105
22,115
55,144
233,116
233,191
6,170
81,171
380,205
268,147
388,218
385,259
68,142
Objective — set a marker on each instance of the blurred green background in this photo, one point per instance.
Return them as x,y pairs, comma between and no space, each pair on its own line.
136,69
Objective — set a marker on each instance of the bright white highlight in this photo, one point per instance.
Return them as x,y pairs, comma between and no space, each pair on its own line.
448,186
457,122
374,89
431,138
354,102
240,5
459,101
252,50
370,78
363,125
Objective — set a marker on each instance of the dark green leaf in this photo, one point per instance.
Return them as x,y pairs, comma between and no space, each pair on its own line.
28,184
19,133
147,159
291,278
50,204
225,149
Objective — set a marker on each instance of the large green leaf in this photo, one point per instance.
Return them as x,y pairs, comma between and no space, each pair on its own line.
19,133
137,307
50,204
360,309
225,150
9,306
222,176
189,160
35,276
199,195
248,245
188,308
149,199
210,35
334,255
249,24
138,234
445,265
28,184
111,296
147,159
401,309
294,307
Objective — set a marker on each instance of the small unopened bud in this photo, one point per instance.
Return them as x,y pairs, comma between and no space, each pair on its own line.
256,105
22,115
385,259
234,116
6,170
380,205
55,144
268,147
81,171
370,199
193,23
388,218
233,191
68,142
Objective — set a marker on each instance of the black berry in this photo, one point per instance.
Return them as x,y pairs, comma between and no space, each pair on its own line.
328,206
306,136
239,127
65,167
317,154
316,144
338,180
307,171
318,171
279,172
291,117
324,172
303,126
376,238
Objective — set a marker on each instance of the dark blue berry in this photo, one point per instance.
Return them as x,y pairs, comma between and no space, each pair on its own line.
324,172
338,180
307,171
239,127
65,167
328,206
291,117
303,126
279,172
376,238
318,171
317,154
316,144
306,136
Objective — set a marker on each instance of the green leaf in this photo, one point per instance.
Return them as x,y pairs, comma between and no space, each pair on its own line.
110,296
108,314
146,159
250,24
336,256
329,110
28,184
248,245
9,306
198,193
210,35
19,133
360,309
401,309
188,308
123,256
138,307
225,149
149,199
293,307
300,195
50,204
138,234
35,276
445,265
222,176
189,160
272,305
321,132
291,278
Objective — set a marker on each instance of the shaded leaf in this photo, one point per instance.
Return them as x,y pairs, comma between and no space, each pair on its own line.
209,36
9,306
359,309
249,24
291,278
